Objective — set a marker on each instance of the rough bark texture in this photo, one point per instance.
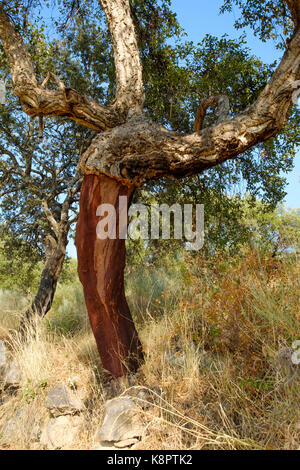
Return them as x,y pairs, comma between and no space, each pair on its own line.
140,150
55,250
36,100
101,266
220,102
130,94
294,7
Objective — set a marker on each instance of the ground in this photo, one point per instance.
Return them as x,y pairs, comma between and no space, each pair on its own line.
217,339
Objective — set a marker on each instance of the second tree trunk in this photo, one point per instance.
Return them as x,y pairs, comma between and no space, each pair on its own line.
101,264
49,277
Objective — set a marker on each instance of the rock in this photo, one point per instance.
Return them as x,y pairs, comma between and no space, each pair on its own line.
106,445
24,423
103,445
35,432
9,370
11,376
13,425
284,356
61,432
142,396
283,362
122,420
61,401
127,443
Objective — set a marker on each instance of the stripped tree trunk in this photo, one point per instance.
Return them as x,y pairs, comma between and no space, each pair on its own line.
101,264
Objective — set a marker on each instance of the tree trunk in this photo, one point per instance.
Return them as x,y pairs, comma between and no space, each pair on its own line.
101,264
49,277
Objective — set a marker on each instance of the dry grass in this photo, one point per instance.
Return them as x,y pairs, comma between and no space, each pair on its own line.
211,368
45,361
215,358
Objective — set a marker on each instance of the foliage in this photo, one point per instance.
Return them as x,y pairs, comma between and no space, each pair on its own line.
269,19
276,232
74,42
18,264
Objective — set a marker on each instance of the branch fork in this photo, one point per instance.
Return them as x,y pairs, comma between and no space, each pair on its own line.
222,105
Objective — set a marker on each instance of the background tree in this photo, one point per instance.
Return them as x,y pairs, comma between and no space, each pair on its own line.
274,233
39,194
132,149
39,187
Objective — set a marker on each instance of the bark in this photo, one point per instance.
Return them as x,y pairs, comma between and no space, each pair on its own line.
220,102
294,7
141,150
101,266
55,250
38,101
130,94
49,277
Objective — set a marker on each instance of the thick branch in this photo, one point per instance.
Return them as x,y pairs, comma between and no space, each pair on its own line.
294,7
130,95
38,101
140,150
221,102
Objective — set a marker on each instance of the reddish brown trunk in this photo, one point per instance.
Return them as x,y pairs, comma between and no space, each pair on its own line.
101,266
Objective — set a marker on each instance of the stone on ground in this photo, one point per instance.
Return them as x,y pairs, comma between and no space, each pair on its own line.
23,424
126,444
122,421
61,432
61,401
9,369
11,376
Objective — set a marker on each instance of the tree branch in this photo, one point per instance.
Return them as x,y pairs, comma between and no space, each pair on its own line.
294,7
221,102
141,150
53,223
16,165
130,95
38,101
